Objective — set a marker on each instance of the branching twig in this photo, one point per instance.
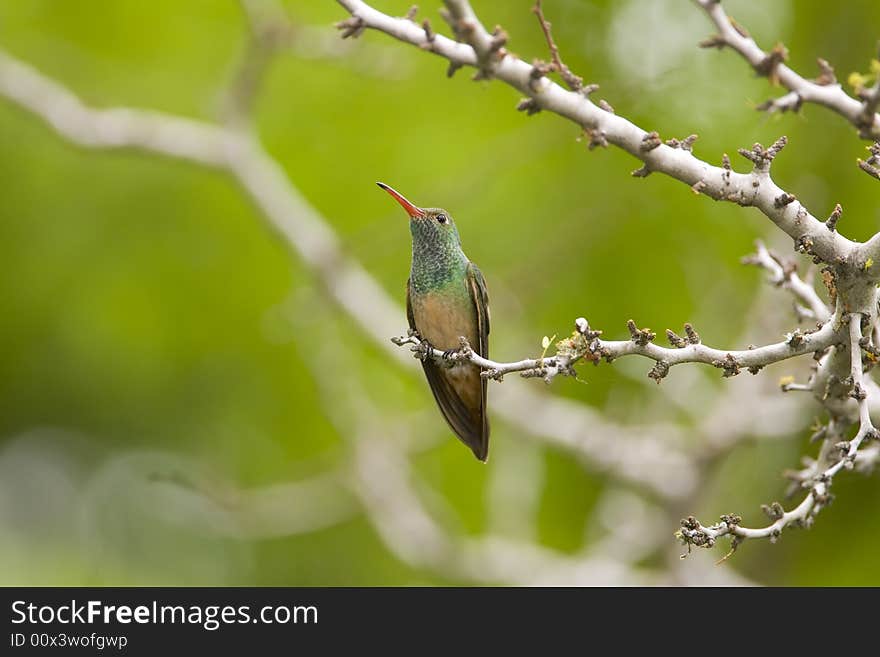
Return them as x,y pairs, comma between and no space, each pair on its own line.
848,262
818,480
825,91
574,82
784,275
871,166
755,189
658,464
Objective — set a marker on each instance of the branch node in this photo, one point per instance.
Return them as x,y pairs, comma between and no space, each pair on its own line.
499,40
688,142
729,364
714,41
650,141
777,146
452,68
605,105
826,73
731,520
784,199
783,104
794,339
831,222
640,336
740,29
597,138
353,27
773,511
529,106
675,340
698,187
768,66
803,244
539,70
858,393
762,157
589,89
429,35
659,371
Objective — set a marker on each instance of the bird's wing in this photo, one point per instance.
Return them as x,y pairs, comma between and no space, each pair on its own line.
409,311
467,417
480,296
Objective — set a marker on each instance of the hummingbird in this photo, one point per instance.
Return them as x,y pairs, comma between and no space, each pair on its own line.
446,299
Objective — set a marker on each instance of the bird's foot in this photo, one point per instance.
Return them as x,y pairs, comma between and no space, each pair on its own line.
424,350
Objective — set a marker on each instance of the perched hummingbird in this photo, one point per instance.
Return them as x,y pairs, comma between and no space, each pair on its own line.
446,298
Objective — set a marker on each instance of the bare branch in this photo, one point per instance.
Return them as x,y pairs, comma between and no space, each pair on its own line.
271,511
825,90
574,82
818,480
269,30
586,345
755,189
784,275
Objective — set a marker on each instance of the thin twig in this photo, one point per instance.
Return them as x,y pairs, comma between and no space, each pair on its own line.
574,82
825,91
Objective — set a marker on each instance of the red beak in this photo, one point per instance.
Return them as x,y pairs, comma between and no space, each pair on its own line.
412,210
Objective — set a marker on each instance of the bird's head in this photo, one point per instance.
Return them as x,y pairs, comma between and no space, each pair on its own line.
431,225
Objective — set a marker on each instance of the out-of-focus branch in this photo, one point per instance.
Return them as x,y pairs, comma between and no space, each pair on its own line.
160,133
784,274
269,31
825,90
271,511
674,158
408,517
272,33
850,275
314,241
412,534
649,456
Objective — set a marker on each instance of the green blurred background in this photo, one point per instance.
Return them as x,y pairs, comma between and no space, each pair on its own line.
152,323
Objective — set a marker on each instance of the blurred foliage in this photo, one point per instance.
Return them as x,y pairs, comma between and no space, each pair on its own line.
146,309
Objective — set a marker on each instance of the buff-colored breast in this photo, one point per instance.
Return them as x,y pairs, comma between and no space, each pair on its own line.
442,319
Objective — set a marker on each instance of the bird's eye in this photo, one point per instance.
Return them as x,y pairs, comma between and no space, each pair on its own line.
442,218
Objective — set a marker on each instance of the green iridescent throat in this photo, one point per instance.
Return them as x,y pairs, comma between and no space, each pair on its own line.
437,258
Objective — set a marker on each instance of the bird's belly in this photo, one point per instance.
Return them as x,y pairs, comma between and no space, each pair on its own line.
442,320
